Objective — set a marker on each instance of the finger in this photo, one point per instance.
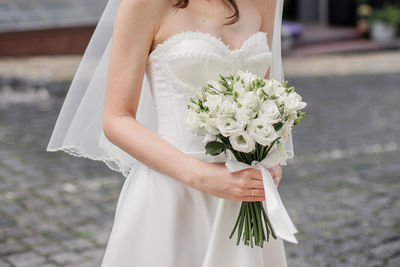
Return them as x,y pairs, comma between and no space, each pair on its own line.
256,192
278,170
255,174
249,173
277,180
253,199
255,184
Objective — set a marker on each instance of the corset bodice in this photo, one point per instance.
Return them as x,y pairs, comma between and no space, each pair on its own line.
181,64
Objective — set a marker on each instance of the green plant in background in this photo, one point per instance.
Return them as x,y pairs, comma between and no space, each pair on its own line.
389,14
384,23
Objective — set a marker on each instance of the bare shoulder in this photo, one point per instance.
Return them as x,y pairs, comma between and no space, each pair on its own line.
148,11
146,3
145,8
138,20
146,15
265,5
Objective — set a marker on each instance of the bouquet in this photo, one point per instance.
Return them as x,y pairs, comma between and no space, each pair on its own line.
251,117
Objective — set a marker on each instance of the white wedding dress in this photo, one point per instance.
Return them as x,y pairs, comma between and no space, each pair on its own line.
160,222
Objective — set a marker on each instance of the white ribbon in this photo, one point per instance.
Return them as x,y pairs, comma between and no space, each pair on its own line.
277,214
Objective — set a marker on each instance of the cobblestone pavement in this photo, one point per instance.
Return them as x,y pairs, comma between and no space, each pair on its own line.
341,190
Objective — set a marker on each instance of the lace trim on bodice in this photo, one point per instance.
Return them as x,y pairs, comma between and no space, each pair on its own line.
187,35
161,54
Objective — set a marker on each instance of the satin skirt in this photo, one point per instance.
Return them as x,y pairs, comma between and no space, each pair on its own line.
160,222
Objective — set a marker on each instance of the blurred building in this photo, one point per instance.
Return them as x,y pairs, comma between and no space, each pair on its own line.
52,27
32,27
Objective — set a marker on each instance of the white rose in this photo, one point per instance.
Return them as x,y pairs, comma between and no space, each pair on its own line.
226,109
242,142
239,88
262,131
273,87
208,138
247,77
250,101
211,126
213,102
285,130
192,121
269,112
293,102
203,116
259,92
227,127
242,116
206,123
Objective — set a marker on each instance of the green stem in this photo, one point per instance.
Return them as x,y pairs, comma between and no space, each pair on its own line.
245,233
259,224
248,157
240,230
254,220
249,224
272,230
261,207
268,225
238,156
258,148
262,151
270,146
237,222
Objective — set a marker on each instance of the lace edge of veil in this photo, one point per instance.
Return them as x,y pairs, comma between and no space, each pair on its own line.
111,162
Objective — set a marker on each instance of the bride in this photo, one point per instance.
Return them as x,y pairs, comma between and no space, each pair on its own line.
127,107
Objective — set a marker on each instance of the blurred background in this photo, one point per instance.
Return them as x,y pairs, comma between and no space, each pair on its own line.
342,188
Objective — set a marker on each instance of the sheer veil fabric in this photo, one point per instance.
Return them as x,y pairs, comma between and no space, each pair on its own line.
78,130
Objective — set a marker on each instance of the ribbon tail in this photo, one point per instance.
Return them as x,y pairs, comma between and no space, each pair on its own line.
277,214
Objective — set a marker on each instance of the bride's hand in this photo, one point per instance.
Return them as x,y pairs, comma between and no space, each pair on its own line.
217,180
276,173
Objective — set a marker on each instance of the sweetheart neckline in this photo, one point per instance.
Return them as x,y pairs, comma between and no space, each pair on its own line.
207,35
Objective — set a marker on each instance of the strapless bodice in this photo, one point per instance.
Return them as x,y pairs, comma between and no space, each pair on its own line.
181,64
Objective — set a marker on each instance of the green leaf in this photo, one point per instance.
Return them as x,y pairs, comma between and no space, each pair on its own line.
215,148
300,115
278,126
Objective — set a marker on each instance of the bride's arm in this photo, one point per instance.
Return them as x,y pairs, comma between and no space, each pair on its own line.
134,29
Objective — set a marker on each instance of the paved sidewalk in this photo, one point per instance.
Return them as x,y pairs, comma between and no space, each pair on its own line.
343,64
341,190
43,69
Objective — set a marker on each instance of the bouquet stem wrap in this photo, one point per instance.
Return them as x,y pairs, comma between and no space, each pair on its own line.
277,216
